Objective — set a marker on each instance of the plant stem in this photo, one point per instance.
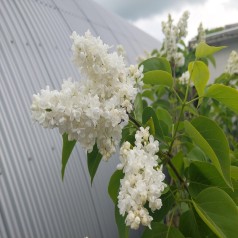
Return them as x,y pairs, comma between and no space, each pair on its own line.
175,171
170,223
168,160
179,98
185,200
194,99
134,121
176,128
181,111
168,155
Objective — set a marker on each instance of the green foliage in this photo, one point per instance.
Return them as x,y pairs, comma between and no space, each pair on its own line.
204,50
158,77
164,116
218,211
199,75
197,128
66,151
191,225
206,134
113,189
156,63
94,159
148,94
168,201
203,175
161,231
234,172
123,230
178,162
114,184
127,133
151,125
225,95
161,129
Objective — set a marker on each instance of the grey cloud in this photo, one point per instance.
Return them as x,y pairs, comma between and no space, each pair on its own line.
135,9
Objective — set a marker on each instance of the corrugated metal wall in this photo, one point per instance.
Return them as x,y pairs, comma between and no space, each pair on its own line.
35,52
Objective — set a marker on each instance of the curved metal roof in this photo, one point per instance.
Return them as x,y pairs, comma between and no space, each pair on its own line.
35,52
230,33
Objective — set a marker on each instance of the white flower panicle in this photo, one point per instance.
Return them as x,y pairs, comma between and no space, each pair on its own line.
179,59
182,25
143,180
232,63
173,34
95,109
201,34
170,41
184,78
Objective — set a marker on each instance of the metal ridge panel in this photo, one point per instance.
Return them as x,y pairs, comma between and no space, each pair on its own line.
35,52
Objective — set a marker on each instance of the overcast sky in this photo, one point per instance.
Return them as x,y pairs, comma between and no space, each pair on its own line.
148,14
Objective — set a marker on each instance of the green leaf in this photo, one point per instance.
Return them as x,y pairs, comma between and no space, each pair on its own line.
160,90
161,231
204,50
188,225
150,124
127,132
168,201
191,225
66,151
158,77
123,230
203,175
161,103
164,115
212,60
178,163
94,159
161,129
190,108
148,94
224,78
114,185
145,103
138,107
234,172
218,211
225,95
156,63
196,154
207,135
199,75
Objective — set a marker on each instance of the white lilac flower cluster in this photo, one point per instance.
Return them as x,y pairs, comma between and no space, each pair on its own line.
95,109
201,37
143,180
173,34
232,63
184,78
